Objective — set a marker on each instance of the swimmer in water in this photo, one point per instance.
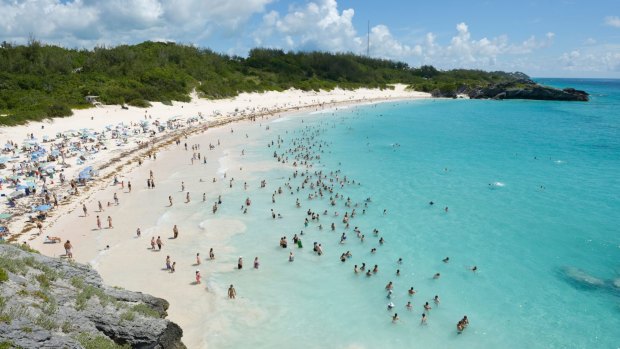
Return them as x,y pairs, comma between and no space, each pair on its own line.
423,321
409,305
395,318
436,299
436,276
446,260
427,306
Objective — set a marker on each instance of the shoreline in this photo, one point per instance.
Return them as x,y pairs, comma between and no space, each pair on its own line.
110,163
67,224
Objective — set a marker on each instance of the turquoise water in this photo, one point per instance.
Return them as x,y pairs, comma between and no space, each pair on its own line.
533,191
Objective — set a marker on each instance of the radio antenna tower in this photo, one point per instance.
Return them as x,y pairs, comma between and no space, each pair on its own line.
368,41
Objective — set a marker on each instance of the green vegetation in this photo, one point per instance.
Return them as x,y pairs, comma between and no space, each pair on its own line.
145,310
128,316
43,280
87,293
46,322
39,81
4,276
8,345
89,341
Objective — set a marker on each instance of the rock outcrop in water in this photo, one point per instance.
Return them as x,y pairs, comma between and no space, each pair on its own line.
522,87
535,91
51,303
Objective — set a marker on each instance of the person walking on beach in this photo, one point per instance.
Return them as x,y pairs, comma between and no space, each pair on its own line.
170,200
68,248
232,293
175,232
110,222
129,186
168,265
187,200
153,243
100,206
211,253
85,210
256,263
116,199
198,276
240,263
197,258
138,233
98,222
159,243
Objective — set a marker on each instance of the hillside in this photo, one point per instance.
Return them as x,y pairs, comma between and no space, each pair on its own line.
39,81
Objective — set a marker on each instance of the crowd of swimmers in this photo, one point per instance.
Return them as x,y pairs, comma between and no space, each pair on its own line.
303,154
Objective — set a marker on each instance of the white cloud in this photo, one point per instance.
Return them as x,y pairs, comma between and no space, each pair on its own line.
613,21
317,25
590,41
90,22
597,59
320,25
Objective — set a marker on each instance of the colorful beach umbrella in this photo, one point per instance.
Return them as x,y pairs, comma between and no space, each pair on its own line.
42,208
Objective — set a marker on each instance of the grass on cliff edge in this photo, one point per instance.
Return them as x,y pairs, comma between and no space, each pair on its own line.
89,341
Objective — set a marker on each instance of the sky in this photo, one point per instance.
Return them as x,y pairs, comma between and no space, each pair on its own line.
544,38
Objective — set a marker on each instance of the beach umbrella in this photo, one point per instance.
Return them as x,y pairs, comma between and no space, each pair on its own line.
42,208
85,173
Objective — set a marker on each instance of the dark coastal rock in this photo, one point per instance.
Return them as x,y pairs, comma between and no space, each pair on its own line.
536,92
51,303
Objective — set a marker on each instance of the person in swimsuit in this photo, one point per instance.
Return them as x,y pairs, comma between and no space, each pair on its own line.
68,248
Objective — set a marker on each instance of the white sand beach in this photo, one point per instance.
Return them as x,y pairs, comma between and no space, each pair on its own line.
124,138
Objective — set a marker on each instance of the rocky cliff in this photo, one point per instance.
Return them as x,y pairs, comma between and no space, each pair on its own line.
527,90
520,86
51,303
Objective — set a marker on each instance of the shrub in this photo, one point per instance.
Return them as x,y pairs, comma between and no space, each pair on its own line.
4,276
145,310
89,341
128,316
43,280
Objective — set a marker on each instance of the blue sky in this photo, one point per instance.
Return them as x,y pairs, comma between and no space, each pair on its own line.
546,38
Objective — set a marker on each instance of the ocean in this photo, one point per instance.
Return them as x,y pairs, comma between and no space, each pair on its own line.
526,191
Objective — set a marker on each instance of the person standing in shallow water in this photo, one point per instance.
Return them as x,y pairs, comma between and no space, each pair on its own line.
232,293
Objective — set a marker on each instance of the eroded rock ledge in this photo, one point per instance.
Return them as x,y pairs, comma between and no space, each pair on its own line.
51,303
